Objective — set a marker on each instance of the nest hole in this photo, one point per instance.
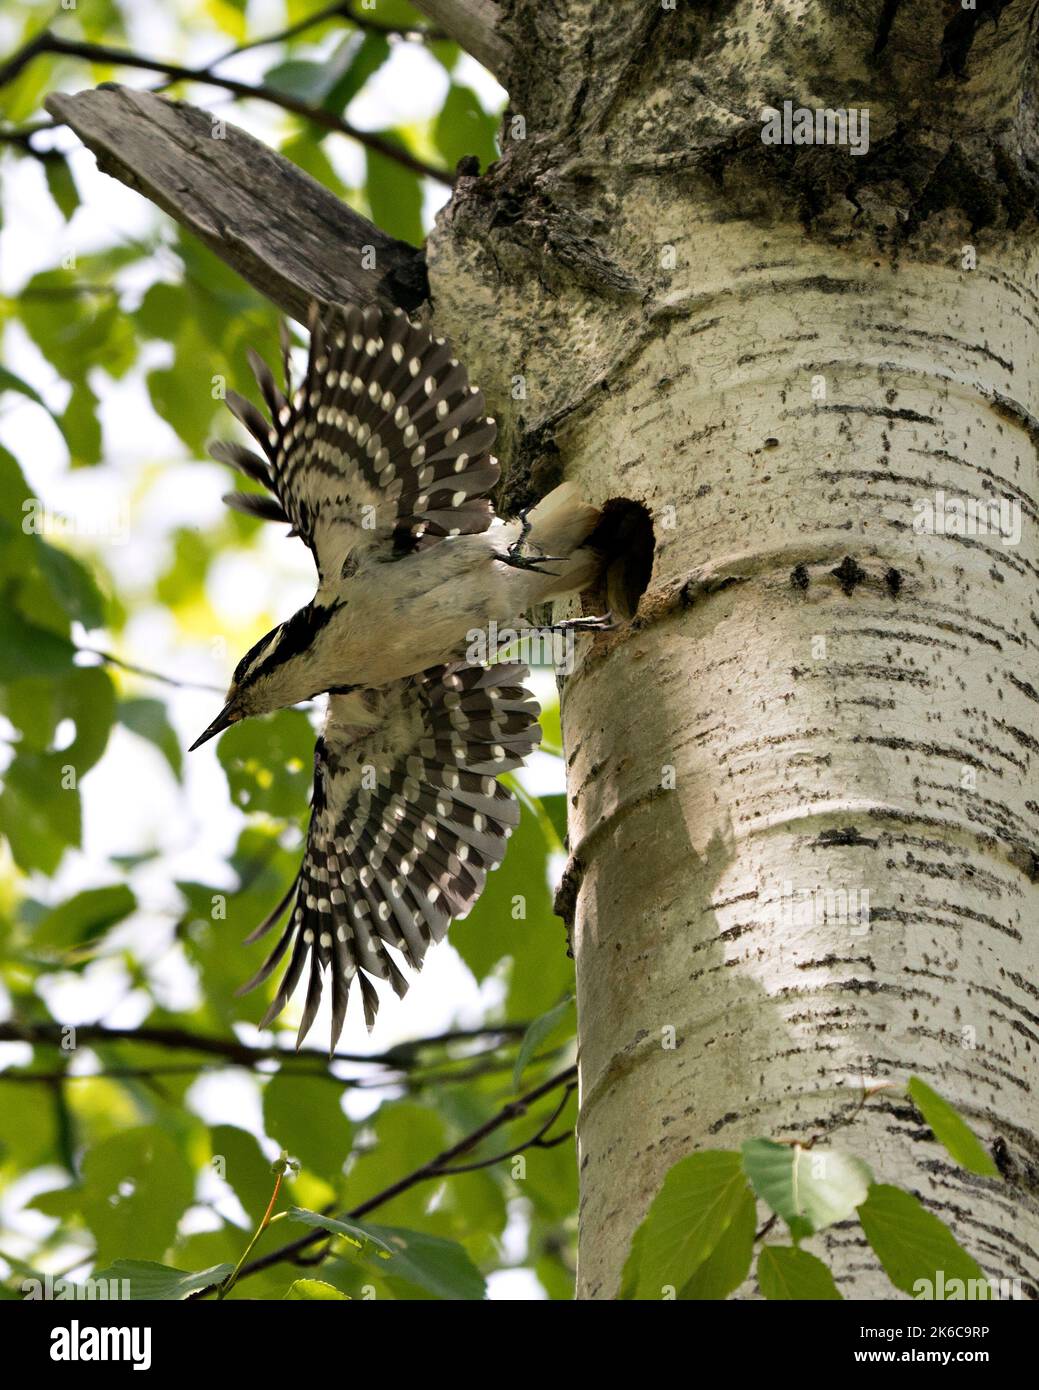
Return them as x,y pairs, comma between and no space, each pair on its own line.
625,538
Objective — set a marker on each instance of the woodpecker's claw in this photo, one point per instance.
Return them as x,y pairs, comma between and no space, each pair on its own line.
531,562
517,561
604,623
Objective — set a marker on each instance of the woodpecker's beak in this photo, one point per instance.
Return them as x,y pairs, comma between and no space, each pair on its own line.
228,715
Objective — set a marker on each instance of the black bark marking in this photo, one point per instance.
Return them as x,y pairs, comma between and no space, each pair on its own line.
1025,687
800,578
887,19
961,32
893,580
846,835
849,575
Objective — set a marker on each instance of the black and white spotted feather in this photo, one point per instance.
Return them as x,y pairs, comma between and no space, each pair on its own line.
382,444
407,820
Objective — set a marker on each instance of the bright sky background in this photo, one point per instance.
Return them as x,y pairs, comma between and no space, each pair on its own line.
131,802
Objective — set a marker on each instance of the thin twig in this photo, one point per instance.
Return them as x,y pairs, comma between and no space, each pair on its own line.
435,1168
411,1081
538,1141
281,1169
111,660
341,8
23,139
47,42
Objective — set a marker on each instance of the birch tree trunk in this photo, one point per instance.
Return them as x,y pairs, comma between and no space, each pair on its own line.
802,783
804,812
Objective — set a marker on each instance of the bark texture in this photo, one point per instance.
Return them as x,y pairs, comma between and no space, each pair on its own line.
279,228
780,350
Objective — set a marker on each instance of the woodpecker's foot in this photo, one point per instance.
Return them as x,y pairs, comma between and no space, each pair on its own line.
605,623
531,562
519,561
524,522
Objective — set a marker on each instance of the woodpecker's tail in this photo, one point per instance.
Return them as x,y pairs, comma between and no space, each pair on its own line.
559,526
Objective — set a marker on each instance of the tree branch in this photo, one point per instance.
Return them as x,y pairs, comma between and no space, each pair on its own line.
343,9
437,1167
224,186
402,1057
474,25
46,42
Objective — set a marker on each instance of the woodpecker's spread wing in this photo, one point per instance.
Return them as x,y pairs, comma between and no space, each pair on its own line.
383,444
407,819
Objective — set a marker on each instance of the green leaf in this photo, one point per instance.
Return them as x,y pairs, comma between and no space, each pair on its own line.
40,817
26,650
951,1130
72,585
269,762
464,128
300,79
365,59
10,382
82,919
394,195
16,502
148,719
75,319
441,1267
239,1160
183,393
136,1186
62,186
786,1273
406,1135
303,1115
28,1134
87,697
536,1034
81,426
555,808
728,1264
309,1290
229,15
809,1188
540,970
920,1255
306,152
150,1282
699,1199
161,311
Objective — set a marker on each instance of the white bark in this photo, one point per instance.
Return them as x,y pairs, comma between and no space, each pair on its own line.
898,760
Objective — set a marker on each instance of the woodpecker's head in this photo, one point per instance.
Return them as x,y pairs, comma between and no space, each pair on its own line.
282,669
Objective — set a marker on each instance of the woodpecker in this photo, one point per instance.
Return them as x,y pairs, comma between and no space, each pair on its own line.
379,460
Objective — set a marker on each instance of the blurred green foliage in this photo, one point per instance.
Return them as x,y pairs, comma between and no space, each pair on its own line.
101,1127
